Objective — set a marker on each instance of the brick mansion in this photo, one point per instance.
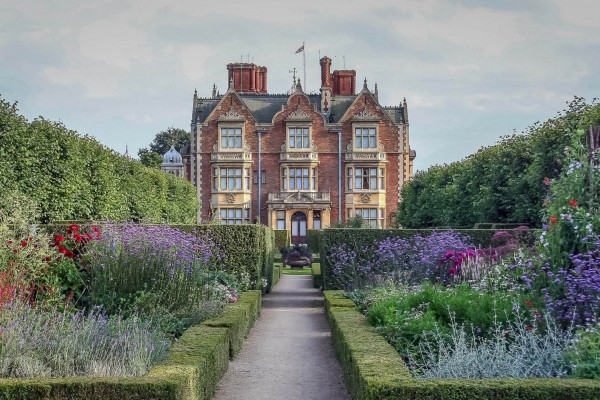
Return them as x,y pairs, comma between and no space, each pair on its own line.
297,161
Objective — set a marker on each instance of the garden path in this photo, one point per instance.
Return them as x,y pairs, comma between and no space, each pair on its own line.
288,354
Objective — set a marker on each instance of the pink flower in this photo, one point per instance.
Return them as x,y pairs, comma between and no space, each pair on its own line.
232,299
449,253
452,271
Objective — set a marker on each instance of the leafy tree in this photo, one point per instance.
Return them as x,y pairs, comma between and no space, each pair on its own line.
153,156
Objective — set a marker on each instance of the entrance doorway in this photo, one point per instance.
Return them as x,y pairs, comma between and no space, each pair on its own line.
298,227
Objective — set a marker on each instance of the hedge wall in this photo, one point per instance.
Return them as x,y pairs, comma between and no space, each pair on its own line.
375,371
355,237
247,248
313,240
502,183
74,177
282,238
192,370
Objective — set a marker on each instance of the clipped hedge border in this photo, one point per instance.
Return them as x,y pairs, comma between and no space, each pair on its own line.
192,370
276,273
375,371
316,275
282,238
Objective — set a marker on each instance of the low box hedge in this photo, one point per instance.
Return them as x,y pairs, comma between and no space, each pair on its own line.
316,275
191,371
374,370
276,273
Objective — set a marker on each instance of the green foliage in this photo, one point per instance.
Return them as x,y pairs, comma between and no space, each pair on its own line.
375,371
313,240
162,142
352,222
282,238
316,274
498,184
408,317
585,357
70,177
246,249
192,371
355,238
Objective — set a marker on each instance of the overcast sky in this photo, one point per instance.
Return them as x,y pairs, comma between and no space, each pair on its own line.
471,70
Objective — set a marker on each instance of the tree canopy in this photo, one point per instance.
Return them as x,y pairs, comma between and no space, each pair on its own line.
152,155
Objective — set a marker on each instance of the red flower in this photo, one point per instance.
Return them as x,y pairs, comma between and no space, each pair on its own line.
15,250
528,303
73,228
58,239
88,237
23,243
553,219
452,271
48,259
547,181
69,254
529,327
573,203
77,236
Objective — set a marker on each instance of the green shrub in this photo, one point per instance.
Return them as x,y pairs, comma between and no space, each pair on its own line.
244,249
282,238
192,370
375,371
356,238
316,275
73,177
313,240
497,184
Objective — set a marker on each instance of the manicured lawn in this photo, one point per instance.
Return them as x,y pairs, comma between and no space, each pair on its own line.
291,271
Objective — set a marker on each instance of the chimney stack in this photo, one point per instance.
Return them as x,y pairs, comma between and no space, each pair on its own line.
247,78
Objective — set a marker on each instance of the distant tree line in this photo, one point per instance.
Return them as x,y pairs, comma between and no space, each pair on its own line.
502,183
74,177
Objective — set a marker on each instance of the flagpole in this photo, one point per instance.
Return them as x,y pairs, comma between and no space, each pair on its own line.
304,57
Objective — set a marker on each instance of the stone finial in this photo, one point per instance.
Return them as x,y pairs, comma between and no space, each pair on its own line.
298,87
231,87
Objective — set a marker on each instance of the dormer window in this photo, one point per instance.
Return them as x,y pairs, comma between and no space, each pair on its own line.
231,138
299,137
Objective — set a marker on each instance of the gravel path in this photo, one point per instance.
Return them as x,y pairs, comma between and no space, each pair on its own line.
288,354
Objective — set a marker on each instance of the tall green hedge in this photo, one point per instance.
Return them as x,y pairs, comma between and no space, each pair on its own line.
502,183
313,239
356,237
282,238
248,248
74,177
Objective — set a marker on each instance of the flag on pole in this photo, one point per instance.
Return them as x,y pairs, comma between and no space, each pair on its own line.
300,50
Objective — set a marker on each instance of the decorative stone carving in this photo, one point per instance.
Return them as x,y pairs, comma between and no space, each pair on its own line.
349,146
298,114
284,146
231,115
365,114
313,146
230,198
365,198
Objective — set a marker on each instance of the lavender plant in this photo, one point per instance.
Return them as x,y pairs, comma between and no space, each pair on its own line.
409,261
153,268
516,350
38,343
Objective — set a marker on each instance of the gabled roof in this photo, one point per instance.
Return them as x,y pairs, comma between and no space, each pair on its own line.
264,106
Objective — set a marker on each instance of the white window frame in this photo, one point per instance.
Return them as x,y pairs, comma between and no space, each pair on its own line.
240,142
234,215
375,216
238,176
290,179
308,137
378,179
372,137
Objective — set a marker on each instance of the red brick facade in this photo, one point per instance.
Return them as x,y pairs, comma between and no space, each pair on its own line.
299,153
